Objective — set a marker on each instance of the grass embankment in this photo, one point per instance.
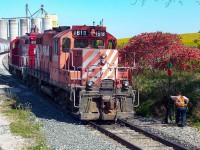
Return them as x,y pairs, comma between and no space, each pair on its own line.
189,39
122,42
23,122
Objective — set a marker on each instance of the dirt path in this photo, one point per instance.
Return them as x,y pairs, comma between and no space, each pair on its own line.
8,141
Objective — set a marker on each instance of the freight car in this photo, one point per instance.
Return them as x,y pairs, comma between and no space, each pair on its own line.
4,45
78,68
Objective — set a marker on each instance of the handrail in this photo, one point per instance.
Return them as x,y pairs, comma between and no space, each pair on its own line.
138,100
72,61
74,96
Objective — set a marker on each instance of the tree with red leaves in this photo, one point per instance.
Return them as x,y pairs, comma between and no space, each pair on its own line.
155,50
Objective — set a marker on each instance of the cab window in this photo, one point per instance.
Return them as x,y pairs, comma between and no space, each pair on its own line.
15,44
111,44
80,43
66,44
55,46
96,43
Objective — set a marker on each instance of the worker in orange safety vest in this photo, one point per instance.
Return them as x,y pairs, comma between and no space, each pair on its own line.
181,108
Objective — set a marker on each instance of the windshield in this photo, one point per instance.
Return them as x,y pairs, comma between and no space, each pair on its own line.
96,43
80,43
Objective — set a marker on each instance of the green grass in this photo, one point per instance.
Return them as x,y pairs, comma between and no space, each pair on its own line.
24,123
122,42
197,125
146,108
187,39
24,129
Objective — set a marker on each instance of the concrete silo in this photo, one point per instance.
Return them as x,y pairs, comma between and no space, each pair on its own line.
13,29
24,27
46,24
3,29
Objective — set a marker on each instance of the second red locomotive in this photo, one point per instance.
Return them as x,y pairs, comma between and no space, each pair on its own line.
78,67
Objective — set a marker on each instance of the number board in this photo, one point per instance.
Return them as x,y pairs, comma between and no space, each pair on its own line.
80,33
100,33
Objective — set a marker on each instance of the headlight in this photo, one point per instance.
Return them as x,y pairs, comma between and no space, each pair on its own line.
103,59
125,85
103,56
89,85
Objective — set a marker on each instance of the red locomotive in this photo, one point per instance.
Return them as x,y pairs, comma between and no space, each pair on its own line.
78,67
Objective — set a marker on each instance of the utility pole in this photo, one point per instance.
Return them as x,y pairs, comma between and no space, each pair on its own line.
42,10
27,17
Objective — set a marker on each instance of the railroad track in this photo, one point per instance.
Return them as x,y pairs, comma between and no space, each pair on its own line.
134,137
9,84
4,73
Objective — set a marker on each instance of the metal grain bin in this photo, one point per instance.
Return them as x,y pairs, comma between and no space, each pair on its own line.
46,24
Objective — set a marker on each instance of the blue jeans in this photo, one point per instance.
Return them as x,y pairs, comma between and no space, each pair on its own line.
181,111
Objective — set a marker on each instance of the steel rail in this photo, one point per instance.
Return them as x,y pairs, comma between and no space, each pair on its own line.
153,136
115,137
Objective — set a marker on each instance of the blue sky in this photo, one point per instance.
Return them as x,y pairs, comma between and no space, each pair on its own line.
120,17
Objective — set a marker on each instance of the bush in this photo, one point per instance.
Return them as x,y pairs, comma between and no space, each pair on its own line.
155,50
153,87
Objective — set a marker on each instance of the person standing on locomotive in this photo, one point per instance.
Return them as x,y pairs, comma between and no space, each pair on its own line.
181,110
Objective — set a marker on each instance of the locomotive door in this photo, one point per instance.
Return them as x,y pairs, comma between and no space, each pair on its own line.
50,54
37,61
55,63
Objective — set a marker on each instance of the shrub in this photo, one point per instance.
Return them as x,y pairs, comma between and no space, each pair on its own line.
155,50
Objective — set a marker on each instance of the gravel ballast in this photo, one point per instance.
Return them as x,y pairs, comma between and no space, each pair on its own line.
186,136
